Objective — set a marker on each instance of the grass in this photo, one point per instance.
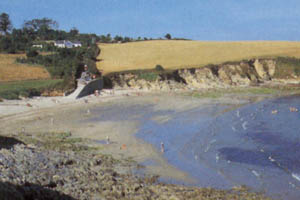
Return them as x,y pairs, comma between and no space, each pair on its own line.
148,76
217,93
12,90
12,71
58,141
187,54
286,67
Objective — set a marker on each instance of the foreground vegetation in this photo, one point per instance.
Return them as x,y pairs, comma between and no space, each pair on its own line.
287,67
13,90
173,54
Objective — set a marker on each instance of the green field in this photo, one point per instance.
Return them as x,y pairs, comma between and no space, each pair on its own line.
12,90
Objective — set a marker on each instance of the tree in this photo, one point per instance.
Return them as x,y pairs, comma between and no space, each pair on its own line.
108,38
5,23
159,68
118,38
168,36
42,28
127,39
5,43
32,53
74,32
37,24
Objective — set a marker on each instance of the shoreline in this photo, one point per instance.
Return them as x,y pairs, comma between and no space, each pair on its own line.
125,144
44,108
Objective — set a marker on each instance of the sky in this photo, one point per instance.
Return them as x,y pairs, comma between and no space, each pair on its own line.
221,20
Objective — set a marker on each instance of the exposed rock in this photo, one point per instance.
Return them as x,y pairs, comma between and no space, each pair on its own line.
265,68
271,65
199,78
35,173
247,73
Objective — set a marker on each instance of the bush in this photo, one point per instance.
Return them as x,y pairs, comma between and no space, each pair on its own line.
148,76
159,68
168,36
31,53
12,49
286,67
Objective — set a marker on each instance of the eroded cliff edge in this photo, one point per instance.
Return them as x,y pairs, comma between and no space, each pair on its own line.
245,73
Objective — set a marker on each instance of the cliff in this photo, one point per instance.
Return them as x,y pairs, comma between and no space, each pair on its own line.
245,73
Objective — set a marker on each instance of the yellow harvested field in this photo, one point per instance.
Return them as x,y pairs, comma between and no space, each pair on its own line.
172,54
12,71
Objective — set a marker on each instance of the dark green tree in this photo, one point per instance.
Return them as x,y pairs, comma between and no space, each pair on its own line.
74,32
168,36
44,28
32,53
37,24
108,38
127,39
5,43
118,38
5,23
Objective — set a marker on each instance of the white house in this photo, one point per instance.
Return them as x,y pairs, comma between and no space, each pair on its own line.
67,44
60,44
77,44
37,46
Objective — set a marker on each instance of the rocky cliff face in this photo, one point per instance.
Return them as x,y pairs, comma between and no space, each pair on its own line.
245,73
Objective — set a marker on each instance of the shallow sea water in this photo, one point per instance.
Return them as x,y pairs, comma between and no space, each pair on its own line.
246,146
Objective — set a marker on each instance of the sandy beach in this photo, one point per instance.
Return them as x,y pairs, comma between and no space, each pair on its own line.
62,114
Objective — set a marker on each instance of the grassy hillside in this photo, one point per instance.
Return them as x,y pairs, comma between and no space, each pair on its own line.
12,71
185,54
12,90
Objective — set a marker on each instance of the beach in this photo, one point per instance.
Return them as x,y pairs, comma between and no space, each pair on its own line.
113,123
60,114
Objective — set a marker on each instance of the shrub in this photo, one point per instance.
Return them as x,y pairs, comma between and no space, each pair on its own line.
148,76
286,67
159,68
168,36
31,53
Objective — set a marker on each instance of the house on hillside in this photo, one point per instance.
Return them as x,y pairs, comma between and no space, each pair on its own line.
60,44
67,44
37,46
77,44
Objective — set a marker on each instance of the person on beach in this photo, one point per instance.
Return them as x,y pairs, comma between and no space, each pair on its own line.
85,75
162,147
